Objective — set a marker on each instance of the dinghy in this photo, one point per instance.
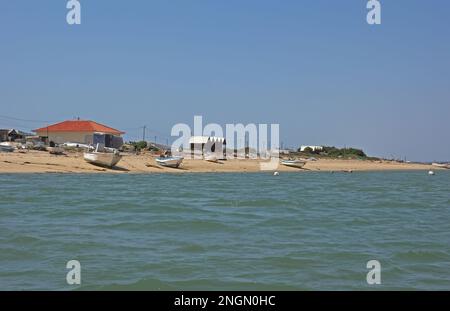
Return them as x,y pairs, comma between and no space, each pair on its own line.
102,156
442,165
293,163
169,161
6,147
210,158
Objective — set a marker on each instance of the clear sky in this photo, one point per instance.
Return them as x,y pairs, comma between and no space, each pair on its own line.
315,67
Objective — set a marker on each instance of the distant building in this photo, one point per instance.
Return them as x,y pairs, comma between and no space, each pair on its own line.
81,131
313,148
12,135
208,144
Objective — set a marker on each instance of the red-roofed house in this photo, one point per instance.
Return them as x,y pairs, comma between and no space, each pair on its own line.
75,131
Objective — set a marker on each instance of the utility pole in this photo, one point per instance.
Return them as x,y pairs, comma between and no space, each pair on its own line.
143,133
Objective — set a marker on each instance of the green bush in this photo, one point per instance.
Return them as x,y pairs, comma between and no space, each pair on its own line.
139,145
334,152
344,152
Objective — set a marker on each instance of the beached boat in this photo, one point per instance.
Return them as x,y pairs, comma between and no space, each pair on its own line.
103,156
293,163
6,147
442,165
169,161
210,158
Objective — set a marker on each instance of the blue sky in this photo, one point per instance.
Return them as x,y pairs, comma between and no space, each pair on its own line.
315,67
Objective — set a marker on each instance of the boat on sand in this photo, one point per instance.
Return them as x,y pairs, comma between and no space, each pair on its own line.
210,158
293,163
102,156
442,165
6,147
170,161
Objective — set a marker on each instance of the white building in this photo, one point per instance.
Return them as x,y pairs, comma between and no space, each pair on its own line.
313,148
201,145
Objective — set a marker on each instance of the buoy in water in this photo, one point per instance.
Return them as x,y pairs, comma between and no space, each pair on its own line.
430,173
276,173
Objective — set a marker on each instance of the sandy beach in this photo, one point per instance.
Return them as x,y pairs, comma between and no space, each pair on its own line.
43,162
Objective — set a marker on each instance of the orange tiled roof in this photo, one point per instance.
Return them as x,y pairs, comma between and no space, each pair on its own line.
79,126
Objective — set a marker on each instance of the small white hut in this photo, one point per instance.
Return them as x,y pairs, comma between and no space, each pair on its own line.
201,145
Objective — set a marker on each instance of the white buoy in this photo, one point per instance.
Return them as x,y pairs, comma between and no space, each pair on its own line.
276,173
430,173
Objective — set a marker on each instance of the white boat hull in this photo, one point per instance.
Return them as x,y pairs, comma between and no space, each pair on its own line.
211,158
4,148
442,165
169,162
293,163
108,159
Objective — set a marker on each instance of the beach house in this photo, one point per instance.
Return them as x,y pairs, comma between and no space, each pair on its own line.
12,135
81,131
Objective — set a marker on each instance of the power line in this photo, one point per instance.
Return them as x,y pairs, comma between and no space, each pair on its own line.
25,120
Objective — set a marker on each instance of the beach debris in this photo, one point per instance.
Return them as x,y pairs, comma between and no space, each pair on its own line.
55,150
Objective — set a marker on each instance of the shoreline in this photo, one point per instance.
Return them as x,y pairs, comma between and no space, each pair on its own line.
43,162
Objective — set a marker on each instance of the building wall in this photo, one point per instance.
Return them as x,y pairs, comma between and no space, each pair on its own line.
64,137
216,148
3,135
314,148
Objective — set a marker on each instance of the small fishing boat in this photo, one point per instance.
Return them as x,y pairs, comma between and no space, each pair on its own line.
442,165
210,158
6,147
169,161
103,156
293,163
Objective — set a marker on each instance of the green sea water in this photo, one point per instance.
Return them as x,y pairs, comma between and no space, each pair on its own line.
296,231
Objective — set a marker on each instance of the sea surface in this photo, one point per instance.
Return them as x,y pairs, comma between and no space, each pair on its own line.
252,231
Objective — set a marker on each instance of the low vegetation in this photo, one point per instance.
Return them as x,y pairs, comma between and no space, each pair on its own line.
139,145
334,152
